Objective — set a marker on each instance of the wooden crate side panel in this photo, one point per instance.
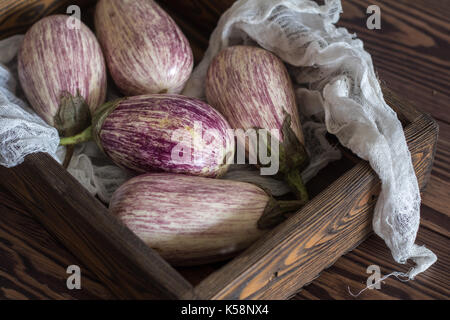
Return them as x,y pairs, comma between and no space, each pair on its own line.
331,224
82,224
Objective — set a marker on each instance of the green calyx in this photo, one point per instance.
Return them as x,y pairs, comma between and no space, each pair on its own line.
293,159
92,132
73,114
292,152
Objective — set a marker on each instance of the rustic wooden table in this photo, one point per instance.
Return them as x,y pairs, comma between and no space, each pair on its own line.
411,55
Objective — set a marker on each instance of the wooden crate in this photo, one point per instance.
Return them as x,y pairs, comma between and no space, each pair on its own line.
335,220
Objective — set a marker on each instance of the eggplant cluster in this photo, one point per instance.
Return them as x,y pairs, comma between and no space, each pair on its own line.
178,146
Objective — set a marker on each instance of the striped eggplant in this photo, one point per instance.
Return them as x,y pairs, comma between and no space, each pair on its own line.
252,89
62,72
192,220
164,132
145,50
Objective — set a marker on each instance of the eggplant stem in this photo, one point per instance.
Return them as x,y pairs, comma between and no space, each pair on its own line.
83,136
277,211
287,206
68,157
295,182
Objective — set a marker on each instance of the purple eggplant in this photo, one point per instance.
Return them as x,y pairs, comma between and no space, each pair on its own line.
193,220
62,72
251,87
159,132
145,50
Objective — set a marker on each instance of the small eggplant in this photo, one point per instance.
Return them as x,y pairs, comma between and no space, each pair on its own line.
145,50
62,72
159,132
193,220
251,87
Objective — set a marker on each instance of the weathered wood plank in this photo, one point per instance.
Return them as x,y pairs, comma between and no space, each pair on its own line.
438,189
33,264
128,267
16,16
350,271
438,195
331,224
434,220
410,51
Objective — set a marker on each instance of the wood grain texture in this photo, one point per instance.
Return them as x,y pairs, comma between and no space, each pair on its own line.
16,16
33,264
438,189
331,224
128,267
349,273
405,59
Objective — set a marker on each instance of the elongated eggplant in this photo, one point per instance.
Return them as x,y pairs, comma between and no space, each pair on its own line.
166,132
252,89
145,50
62,72
192,220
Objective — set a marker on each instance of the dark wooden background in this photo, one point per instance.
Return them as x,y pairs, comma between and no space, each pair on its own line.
411,55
